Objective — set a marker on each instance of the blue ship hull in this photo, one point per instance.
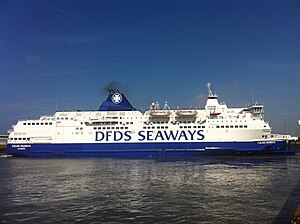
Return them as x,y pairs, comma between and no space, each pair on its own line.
148,150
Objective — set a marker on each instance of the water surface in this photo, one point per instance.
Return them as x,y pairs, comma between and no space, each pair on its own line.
206,190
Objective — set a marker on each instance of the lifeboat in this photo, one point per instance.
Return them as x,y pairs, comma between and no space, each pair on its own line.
160,113
214,113
186,113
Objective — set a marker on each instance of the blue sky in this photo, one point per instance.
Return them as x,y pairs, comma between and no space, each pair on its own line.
60,55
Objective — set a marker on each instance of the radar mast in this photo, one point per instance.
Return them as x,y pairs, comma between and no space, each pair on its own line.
211,95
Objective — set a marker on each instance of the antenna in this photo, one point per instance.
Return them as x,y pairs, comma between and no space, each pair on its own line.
209,89
56,105
166,106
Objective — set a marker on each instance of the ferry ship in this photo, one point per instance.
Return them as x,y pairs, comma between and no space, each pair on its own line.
117,129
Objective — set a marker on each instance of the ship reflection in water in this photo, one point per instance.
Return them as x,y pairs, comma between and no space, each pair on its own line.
218,190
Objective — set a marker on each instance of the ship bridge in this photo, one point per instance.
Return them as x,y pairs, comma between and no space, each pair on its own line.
212,104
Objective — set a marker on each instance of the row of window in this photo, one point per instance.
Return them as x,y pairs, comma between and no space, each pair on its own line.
266,136
232,126
42,123
64,118
110,128
157,127
145,127
101,123
24,139
166,127
191,127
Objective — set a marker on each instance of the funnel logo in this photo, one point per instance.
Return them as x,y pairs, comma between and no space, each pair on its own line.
116,98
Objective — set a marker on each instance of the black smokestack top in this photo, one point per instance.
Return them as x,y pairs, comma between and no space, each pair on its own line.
114,86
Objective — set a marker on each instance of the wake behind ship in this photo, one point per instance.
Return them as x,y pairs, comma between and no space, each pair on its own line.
117,129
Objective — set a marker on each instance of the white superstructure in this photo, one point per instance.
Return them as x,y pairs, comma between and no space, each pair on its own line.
214,123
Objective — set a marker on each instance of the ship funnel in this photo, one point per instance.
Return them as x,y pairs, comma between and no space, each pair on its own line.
116,101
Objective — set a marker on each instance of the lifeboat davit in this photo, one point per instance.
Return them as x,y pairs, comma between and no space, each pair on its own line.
186,113
160,113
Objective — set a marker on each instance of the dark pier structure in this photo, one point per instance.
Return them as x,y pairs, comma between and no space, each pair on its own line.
3,140
293,145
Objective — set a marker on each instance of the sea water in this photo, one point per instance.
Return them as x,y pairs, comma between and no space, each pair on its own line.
203,190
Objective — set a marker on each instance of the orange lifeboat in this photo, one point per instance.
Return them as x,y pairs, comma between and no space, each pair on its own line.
186,113
160,113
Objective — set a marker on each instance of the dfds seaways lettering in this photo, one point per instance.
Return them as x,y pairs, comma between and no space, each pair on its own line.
179,135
